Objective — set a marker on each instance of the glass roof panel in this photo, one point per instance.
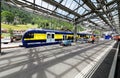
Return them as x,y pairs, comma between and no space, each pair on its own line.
77,6
61,11
72,16
57,0
64,12
64,2
73,5
38,2
94,1
86,7
81,10
105,16
109,0
29,0
96,4
116,19
114,12
44,4
51,7
79,1
113,5
22,0
95,19
69,3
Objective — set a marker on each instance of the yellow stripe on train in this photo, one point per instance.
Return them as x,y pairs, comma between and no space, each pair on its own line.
33,39
40,36
58,36
37,37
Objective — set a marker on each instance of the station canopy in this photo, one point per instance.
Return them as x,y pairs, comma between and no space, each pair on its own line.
99,14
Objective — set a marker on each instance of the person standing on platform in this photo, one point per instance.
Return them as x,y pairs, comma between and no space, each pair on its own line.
93,39
119,38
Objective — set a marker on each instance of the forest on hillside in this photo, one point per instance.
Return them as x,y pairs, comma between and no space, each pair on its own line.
13,15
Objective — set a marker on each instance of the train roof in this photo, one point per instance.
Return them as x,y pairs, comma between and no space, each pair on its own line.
56,31
47,30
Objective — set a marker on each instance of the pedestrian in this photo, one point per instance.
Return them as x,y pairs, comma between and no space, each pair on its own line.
93,39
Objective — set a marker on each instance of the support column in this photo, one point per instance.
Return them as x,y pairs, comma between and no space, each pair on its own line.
118,3
75,33
0,25
101,33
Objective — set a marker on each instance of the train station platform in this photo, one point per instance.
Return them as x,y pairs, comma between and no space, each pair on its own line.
11,45
117,69
108,67
55,61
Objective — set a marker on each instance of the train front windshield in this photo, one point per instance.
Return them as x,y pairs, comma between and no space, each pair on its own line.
29,35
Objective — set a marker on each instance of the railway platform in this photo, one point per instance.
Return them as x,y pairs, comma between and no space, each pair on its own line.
11,45
55,61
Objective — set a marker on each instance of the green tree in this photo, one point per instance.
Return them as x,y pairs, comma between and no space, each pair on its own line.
80,28
21,16
97,32
7,17
11,32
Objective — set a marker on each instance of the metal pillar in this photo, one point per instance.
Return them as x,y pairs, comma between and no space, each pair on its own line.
118,3
75,32
101,33
0,25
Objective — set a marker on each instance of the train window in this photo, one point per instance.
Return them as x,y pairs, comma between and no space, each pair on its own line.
48,35
64,37
52,35
29,35
69,38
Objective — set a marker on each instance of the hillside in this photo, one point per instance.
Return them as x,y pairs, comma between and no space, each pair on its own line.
16,18
17,27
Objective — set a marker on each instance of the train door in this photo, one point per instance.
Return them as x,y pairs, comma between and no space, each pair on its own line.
64,37
50,37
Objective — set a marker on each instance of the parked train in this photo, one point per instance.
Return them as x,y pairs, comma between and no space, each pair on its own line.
37,37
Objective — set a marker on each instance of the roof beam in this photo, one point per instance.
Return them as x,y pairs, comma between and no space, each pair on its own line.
93,23
94,16
41,9
118,3
98,8
52,2
102,3
96,25
57,6
93,8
